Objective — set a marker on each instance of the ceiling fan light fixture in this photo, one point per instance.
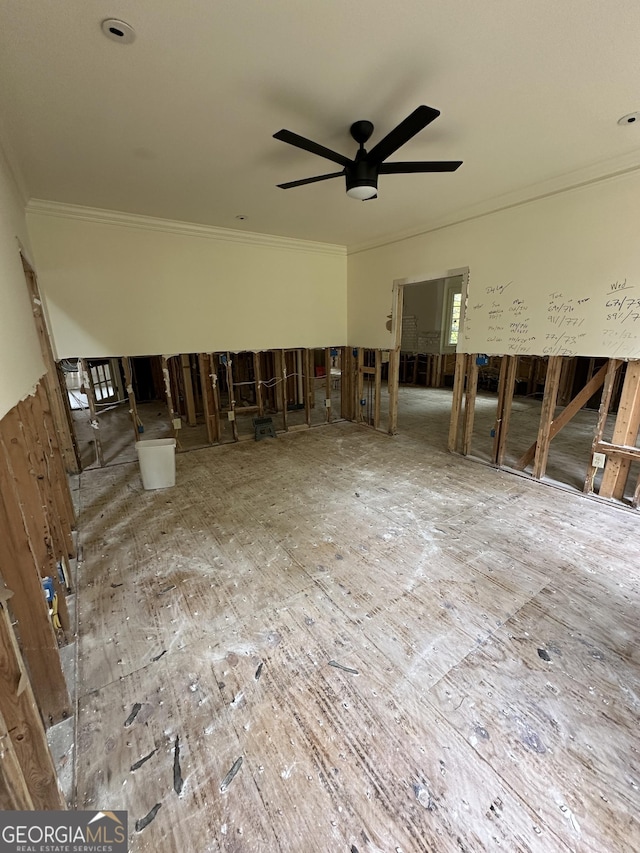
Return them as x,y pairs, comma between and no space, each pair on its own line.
363,191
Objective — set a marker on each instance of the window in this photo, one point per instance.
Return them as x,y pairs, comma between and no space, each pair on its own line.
453,326
451,313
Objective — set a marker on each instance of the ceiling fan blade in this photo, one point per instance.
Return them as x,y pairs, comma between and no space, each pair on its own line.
424,166
304,181
312,147
414,123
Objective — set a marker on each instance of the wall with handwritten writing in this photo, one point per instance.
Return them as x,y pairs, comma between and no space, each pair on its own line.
556,276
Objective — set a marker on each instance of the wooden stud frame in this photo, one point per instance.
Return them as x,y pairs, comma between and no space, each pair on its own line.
27,772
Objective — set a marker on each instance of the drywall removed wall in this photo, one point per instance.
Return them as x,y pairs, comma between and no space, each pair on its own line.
117,284
20,360
558,276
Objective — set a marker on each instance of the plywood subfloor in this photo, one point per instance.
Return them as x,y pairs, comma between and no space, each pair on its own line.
407,651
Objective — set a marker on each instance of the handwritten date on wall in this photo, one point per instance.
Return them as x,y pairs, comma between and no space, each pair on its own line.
508,317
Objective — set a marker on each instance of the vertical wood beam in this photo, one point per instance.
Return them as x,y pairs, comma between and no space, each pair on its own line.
36,497
133,408
393,385
549,402
14,792
185,363
378,390
470,403
168,395
257,375
346,383
610,382
58,475
19,712
359,385
87,381
506,387
22,573
327,390
205,385
309,386
456,400
215,394
281,390
625,432
232,401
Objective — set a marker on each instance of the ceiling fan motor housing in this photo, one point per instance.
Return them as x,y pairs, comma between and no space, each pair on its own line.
361,174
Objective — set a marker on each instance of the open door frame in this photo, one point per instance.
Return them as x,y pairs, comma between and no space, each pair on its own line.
396,330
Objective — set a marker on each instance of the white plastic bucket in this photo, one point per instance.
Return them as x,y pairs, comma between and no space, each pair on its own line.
157,458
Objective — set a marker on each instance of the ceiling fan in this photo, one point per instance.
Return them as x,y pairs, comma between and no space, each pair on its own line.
361,173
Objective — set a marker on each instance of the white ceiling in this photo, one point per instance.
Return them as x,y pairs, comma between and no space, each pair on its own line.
179,124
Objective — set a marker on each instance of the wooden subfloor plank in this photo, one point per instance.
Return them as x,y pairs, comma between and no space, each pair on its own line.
359,621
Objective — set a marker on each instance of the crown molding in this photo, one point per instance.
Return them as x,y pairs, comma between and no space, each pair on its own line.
595,173
185,229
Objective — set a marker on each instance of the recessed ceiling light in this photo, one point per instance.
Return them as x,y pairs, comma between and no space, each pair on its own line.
630,118
118,30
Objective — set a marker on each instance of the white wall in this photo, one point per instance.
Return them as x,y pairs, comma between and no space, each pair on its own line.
20,360
558,257
124,285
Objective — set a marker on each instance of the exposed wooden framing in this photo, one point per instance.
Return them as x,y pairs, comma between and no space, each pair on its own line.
133,409
14,791
470,403
281,386
299,377
215,394
630,452
378,390
37,784
327,390
87,382
610,382
232,403
506,387
392,388
185,363
569,412
257,373
547,413
168,395
205,384
456,402
29,485
346,383
20,563
56,391
625,433
309,386
31,467
360,385
58,475
393,381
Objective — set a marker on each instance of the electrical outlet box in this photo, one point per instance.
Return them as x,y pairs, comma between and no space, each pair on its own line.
599,460
384,356
177,423
231,416
327,403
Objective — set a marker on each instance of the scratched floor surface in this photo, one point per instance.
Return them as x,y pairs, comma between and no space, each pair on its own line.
338,641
